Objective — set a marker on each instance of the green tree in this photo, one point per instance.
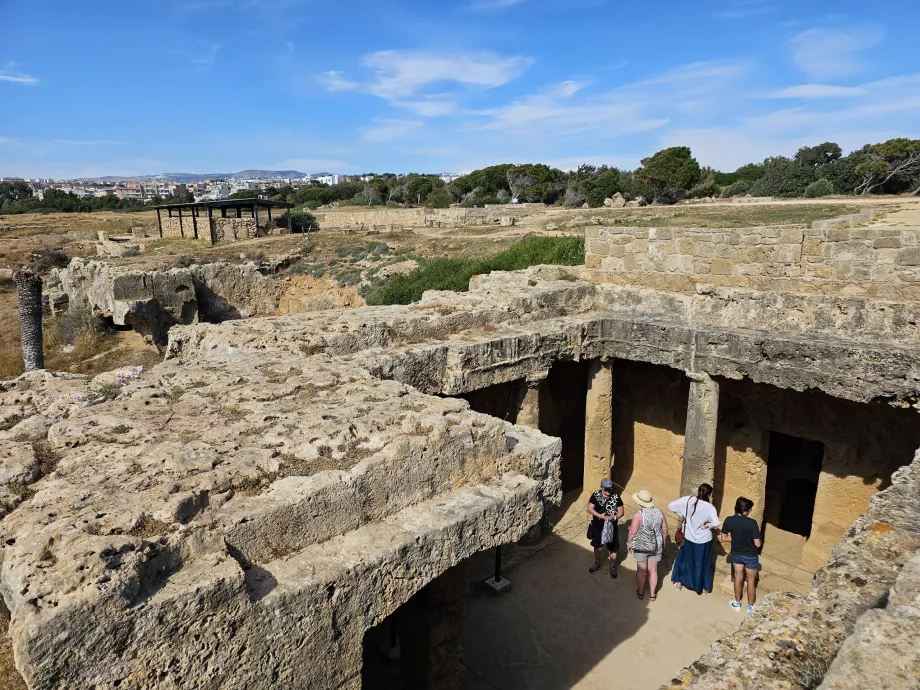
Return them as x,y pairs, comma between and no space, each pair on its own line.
669,170
816,156
783,177
891,161
438,198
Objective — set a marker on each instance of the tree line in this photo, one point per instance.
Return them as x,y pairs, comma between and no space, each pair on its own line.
890,167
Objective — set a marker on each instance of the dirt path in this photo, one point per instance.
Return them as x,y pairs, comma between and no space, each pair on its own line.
561,627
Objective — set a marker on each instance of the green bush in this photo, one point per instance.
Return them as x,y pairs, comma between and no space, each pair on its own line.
783,178
707,187
818,188
303,221
438,198
735,189
455,274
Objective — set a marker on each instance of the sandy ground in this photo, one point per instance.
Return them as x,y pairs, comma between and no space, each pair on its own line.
560,627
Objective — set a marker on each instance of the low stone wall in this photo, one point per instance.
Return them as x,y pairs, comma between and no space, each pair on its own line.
752,199
387,219
225,229
865,604
835,249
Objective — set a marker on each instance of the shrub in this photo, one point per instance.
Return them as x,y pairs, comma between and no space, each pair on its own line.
735,189
455,274
783,178
707,187
303,221
438,198
818,188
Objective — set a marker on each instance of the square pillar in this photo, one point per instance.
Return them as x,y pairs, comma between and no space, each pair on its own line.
699,463
599,423
528,404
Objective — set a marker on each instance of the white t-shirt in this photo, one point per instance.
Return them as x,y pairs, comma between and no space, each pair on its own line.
705,512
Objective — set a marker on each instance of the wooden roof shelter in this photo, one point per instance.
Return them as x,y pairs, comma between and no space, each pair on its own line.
193,211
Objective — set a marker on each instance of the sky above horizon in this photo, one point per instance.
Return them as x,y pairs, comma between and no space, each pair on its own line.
223,85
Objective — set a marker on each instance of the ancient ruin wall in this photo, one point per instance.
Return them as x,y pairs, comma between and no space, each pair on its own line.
837,249
224,229
381,219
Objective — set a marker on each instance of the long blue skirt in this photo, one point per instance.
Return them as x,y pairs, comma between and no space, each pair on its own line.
693,567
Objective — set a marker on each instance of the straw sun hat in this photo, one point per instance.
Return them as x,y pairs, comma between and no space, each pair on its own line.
643,498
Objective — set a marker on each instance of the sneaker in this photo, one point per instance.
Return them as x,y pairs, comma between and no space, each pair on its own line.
751,608
594,568
613,572
736,606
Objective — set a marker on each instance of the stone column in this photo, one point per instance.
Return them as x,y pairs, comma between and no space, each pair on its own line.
528,403
700,436
598,424
430,629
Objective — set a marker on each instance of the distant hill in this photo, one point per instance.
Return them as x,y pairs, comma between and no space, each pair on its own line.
199,177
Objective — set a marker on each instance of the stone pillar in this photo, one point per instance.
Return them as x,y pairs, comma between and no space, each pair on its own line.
598,424
528,403
700,436
430,629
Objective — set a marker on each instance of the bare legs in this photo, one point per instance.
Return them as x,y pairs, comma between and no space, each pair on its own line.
742,576
652,579
599,556
751,576
649,568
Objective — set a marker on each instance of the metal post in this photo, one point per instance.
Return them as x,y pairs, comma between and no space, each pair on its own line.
181,230
160,223
211,226
195,220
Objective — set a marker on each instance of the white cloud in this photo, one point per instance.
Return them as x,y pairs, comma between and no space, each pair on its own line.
834,52
430,106
402,74
816,91
333,80
10,73
386,130
209,57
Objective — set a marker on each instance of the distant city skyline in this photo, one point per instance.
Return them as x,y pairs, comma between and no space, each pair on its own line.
200,85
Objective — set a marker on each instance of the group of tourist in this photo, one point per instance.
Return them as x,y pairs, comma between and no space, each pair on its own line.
648,536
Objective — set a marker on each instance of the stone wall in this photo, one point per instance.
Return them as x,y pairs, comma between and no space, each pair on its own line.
225,229
388,219
837,249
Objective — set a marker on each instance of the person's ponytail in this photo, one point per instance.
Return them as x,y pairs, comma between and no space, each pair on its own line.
703,493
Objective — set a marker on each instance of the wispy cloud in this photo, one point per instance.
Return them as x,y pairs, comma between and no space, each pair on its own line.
333,80
387,130
11,73
824,53
209,58
436,105
402,74
816,91
84,142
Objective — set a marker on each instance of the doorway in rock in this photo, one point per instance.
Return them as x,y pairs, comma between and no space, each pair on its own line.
418,645
562,413
793,470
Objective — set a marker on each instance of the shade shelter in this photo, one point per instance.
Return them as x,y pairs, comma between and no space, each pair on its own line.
189,216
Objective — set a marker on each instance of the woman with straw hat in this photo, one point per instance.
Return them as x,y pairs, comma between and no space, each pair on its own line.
648,533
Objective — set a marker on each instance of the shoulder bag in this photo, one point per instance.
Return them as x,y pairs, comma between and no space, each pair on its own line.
679,534
645,540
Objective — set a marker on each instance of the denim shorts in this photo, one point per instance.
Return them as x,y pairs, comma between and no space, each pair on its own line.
749,562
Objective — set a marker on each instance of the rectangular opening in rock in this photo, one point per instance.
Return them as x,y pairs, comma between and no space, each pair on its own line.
793,471
562,414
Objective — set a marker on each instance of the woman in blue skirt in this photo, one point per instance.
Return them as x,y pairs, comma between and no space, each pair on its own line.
693,567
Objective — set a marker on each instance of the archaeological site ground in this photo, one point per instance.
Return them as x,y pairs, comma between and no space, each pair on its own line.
299,490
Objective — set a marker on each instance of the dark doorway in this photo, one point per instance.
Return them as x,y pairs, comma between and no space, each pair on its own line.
382,669
793,470
562,413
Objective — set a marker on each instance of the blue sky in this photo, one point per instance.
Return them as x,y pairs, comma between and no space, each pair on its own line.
394,86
